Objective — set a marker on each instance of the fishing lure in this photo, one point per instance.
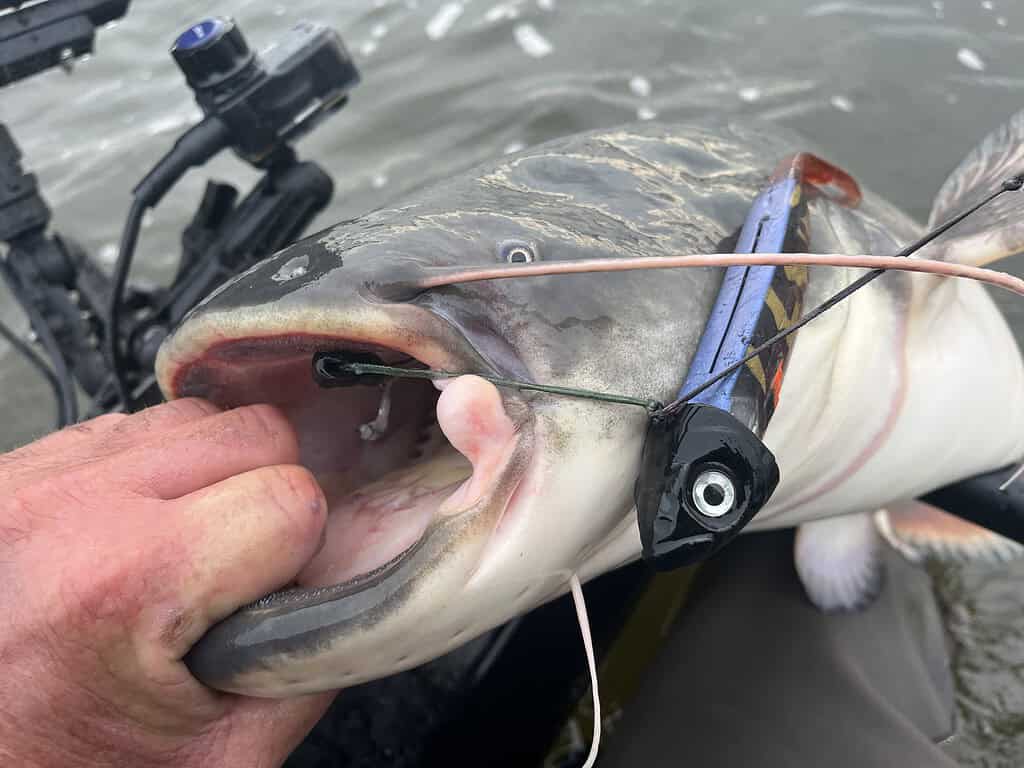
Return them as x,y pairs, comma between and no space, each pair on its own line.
704,470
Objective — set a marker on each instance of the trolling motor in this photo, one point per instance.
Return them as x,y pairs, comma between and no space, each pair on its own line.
257,104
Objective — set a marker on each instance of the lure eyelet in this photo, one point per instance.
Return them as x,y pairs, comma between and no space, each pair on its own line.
714,493
517,252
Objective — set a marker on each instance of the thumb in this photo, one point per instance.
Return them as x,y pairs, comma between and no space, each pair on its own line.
263,732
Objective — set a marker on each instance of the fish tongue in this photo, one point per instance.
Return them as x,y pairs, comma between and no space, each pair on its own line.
472,417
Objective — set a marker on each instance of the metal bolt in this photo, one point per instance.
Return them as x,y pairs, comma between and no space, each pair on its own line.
714,493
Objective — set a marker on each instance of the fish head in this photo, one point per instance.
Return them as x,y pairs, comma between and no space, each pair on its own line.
475,504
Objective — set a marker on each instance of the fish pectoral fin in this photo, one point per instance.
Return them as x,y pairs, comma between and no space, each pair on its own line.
997,230
839,561
919,530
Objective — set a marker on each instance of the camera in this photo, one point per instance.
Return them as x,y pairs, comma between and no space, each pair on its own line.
266,100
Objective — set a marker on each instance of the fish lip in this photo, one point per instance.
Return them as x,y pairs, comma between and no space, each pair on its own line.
309,596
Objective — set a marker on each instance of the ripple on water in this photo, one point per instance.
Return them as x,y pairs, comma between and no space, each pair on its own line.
532,42
442,21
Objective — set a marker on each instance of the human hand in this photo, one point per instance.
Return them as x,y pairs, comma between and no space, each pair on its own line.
122,540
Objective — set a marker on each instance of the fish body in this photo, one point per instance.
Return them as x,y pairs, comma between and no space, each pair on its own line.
439,532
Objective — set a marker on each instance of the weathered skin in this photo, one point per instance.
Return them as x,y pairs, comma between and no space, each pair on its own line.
880,402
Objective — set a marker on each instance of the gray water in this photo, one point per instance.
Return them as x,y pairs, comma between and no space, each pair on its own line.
895,92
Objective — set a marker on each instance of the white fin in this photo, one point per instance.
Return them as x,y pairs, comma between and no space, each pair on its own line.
919,530
839,561
997,230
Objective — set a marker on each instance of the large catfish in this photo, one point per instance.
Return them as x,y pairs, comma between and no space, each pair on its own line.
473,505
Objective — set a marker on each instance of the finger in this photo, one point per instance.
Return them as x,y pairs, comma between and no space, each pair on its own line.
271,728
143,425
250,535
198,454
98,437
64,448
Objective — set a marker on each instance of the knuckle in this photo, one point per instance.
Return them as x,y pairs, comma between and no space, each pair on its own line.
99,424
187,408
266,423
18,519
170,414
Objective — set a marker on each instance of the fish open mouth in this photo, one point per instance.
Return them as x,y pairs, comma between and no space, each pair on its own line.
395,457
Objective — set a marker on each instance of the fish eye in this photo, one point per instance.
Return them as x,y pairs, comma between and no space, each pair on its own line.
517,252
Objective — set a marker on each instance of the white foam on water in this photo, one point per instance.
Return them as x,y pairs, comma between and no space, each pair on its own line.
513,147
1001,21
378,31
532,42
749,94
368,48
378,181
842,103
546,5
443,20
646,113
640,86
970,59
501,13
988,5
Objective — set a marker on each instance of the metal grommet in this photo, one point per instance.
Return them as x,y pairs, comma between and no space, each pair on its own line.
714,493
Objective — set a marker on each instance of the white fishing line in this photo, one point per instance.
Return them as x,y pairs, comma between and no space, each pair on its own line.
1012,478
588,644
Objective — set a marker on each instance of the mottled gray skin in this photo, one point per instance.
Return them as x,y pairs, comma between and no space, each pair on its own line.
643,190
